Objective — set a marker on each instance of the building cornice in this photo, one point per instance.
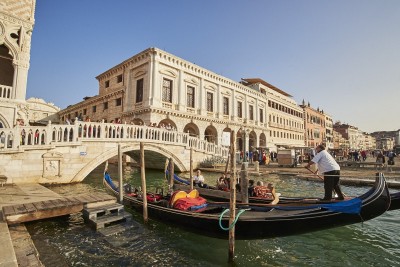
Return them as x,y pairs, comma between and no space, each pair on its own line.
92,100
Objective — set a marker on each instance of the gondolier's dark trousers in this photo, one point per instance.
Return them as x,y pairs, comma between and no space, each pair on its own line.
331,182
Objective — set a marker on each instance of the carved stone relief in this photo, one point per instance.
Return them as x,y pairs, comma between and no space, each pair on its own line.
52,165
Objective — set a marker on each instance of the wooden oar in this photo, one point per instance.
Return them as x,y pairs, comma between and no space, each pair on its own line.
316,173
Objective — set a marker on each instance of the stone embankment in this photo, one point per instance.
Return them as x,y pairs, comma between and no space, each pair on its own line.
351,173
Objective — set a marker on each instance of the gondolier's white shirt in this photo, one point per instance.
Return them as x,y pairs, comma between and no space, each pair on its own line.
326,162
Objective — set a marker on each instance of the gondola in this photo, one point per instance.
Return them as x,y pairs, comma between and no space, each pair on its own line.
219,195
394,201
264,220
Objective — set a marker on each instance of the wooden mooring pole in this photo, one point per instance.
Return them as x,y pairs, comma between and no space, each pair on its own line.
171,174
143,179
244,183
191,168
232,205
121,183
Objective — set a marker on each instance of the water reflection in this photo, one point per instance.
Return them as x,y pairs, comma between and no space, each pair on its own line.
68,241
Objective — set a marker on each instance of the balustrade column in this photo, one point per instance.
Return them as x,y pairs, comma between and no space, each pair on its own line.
16,137
49,134
102,130
75,131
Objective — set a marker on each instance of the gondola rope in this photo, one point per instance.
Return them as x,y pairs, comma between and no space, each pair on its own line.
234,222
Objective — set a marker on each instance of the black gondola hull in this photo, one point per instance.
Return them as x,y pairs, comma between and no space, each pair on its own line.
271,222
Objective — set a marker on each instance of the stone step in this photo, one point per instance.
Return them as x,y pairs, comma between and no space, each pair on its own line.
111,219
119,228
96,212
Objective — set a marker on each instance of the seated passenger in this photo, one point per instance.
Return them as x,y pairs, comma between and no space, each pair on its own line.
198,180
251,188
228,183
238,188
264,191
221,185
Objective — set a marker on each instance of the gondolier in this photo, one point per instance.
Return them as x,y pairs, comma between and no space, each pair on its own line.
331,171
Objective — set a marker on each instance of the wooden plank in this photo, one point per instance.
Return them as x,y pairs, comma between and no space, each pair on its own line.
43,214
73,200
30,207
20,208
96,197
39,205
48,205
107,197
57,203
91,199
83,198
8,210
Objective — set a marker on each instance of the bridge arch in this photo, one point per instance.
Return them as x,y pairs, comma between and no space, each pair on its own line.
133,150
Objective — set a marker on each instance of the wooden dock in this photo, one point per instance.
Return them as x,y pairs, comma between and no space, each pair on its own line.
28,202
26,212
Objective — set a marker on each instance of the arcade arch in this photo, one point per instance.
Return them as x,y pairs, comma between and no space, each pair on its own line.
192,129
252,140
137,121
211,134
6,67
167,124
263,140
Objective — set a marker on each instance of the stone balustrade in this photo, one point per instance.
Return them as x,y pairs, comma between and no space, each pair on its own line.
22,138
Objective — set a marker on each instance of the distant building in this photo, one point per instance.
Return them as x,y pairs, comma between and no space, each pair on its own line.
350,133
16,26
339,142
387,140
314,124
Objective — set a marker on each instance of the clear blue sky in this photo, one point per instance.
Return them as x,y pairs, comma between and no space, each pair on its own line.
342,56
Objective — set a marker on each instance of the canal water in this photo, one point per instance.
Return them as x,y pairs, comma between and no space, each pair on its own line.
68,241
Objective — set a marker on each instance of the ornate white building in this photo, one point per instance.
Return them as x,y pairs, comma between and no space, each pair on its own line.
16,26
155,87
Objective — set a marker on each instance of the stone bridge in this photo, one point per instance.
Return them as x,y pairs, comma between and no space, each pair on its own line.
68,153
